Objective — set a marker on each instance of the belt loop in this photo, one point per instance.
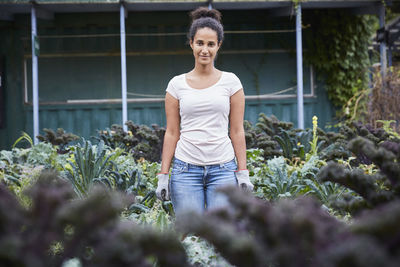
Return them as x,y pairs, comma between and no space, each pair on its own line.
221,165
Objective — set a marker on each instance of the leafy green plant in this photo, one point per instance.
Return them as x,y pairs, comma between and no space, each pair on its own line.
261,135
127,181
23,137
20,167
202,253
130,183
87,167
338,48
326,192
287,145
387,126
278,138
275,182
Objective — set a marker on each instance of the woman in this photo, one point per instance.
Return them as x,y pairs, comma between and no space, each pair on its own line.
199,107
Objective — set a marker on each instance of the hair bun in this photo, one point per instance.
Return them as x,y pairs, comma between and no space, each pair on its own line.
204,12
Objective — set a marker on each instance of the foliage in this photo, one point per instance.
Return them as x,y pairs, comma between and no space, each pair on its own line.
58,228
87,166
128,181
278,138
58,138
384,99
140,140
373,189
42,154
338,49
387,126
375,135
202,253
20,167
297,146
278,178
275,178
296,233
275,182
314,142
261,136
23,137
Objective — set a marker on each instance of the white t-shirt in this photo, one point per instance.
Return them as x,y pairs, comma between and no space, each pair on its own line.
204,116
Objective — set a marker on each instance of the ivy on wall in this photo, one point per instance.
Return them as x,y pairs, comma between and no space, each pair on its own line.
337,46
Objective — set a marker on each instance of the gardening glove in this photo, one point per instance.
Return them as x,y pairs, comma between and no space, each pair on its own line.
243,179
162,190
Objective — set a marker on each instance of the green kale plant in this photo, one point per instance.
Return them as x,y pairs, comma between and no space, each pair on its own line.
88,166
274,182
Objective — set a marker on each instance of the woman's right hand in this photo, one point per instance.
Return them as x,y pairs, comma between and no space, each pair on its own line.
243,179
162,190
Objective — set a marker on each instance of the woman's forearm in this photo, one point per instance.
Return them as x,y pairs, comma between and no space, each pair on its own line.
239,146
169,146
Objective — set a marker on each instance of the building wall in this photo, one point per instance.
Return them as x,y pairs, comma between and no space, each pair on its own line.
79,78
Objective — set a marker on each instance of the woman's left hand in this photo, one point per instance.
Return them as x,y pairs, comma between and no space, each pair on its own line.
243,179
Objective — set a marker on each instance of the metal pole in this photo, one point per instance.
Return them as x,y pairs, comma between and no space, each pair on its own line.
383,44
35,79
123,68
299,52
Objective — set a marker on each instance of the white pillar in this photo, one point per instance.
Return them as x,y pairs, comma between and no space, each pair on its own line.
299,52
383,44
123,68
35,77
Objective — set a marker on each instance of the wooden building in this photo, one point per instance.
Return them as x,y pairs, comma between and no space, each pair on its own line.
78,50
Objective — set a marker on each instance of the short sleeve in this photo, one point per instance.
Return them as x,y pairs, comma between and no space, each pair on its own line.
236,85
171,89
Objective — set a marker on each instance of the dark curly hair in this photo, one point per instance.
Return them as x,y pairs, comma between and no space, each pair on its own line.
203,17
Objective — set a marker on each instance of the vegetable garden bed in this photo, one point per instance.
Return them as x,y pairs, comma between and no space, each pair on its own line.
320,199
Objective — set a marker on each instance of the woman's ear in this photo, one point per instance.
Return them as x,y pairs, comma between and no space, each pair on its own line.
191,43
219,44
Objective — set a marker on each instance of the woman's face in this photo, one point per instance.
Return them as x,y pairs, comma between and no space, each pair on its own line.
205,46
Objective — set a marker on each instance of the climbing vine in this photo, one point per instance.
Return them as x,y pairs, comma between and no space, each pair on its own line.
338,48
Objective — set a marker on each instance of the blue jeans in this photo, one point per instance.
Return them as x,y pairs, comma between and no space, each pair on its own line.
194,187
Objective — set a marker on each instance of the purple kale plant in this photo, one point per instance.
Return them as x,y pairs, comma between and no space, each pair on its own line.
57,227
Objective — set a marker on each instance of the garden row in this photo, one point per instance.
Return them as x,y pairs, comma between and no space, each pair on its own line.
320,199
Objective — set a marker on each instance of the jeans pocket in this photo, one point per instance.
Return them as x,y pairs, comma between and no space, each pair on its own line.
230,166
179,168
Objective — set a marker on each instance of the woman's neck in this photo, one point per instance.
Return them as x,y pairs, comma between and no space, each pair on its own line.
204,70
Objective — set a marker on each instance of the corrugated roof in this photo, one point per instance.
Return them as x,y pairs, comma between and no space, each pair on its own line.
10,7
306,2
